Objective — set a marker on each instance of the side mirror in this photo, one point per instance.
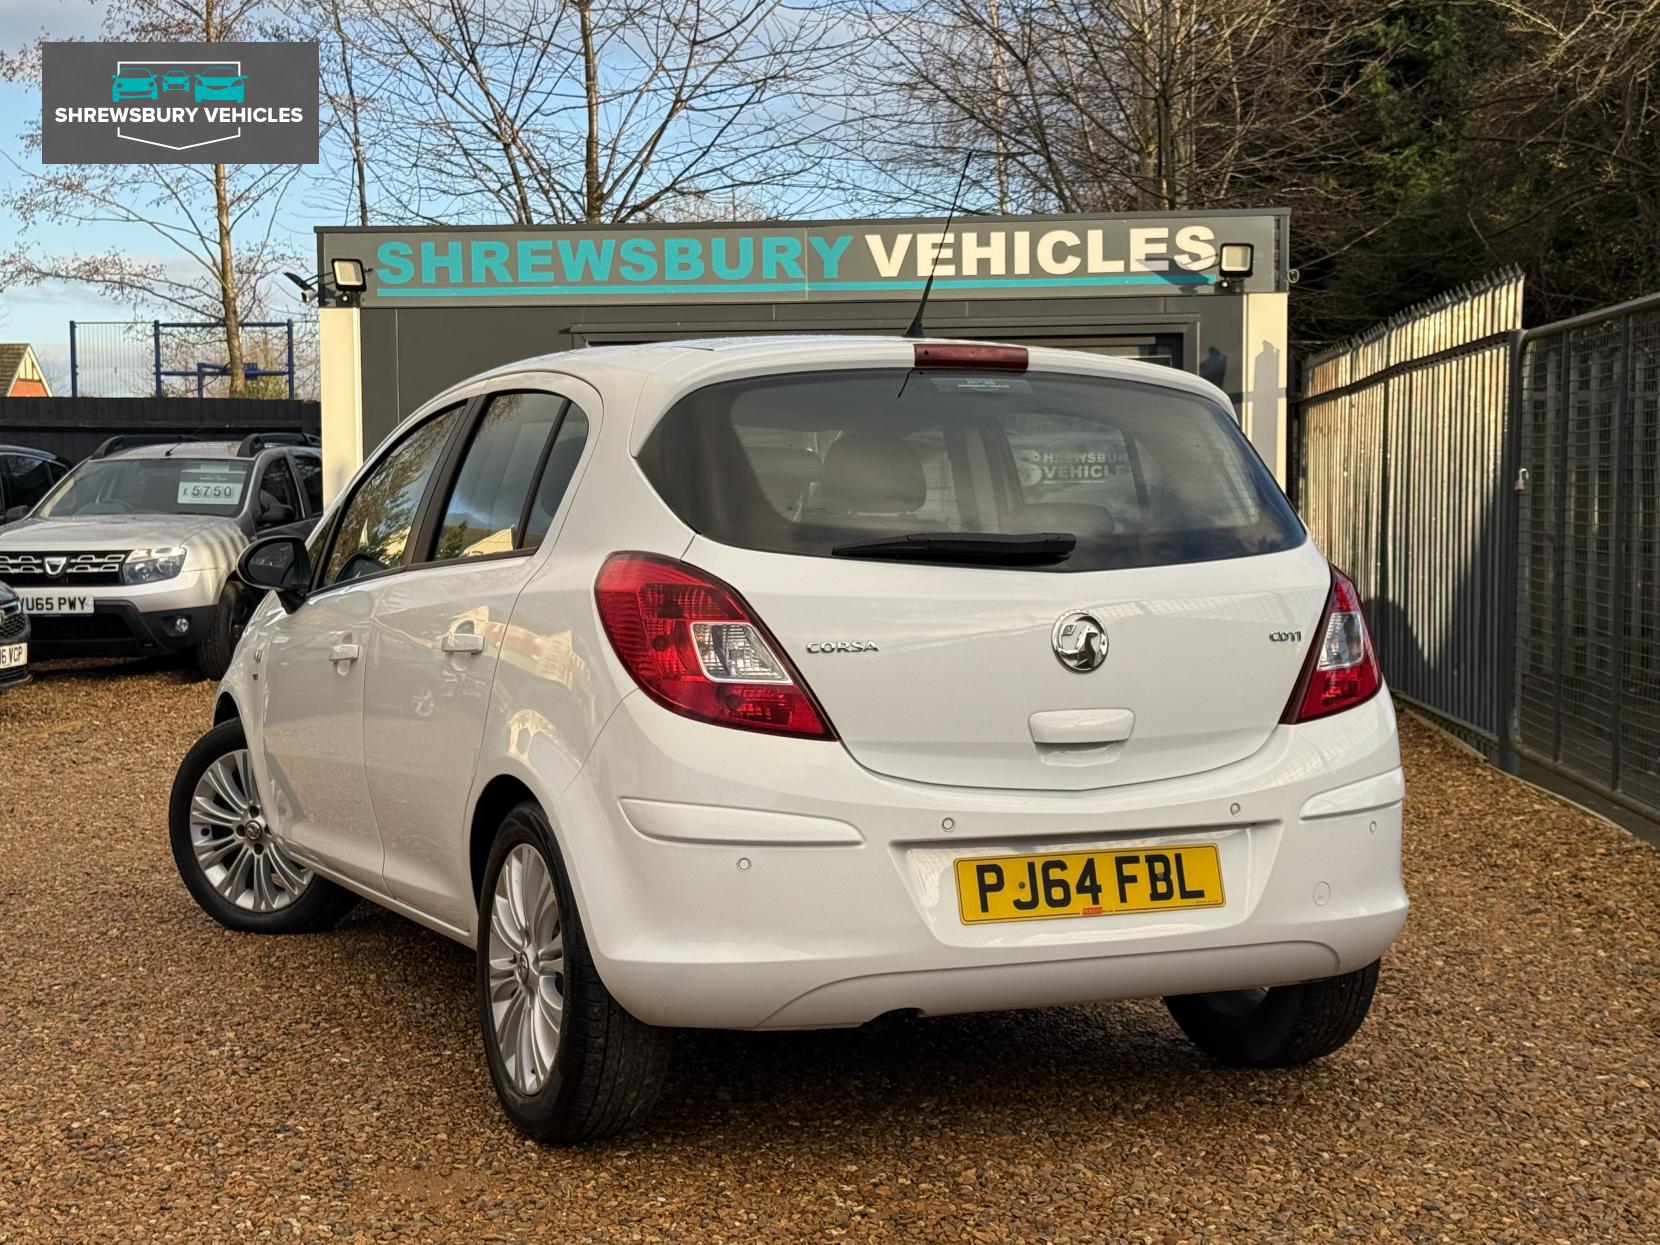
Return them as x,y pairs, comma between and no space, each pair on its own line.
278,564
15,513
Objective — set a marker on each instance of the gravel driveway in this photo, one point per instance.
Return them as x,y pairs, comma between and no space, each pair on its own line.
164,1078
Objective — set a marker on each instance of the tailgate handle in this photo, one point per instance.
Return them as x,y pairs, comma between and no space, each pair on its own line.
1082,726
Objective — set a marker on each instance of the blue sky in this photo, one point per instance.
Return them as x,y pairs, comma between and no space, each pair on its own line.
41,314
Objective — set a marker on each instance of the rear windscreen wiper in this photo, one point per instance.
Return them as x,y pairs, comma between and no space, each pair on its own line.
979,548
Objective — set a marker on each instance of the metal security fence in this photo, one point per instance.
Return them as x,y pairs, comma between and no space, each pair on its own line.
158,358
1496,494
1586,694
1403,440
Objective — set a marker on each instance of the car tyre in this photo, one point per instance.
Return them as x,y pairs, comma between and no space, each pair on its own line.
1279,1026
225,628
237,873
568,1062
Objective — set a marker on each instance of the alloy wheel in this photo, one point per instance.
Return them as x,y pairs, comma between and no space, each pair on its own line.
527,968
232,841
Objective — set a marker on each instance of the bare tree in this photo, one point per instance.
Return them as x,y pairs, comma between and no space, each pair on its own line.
1572,106
196,216
582,110
1117,105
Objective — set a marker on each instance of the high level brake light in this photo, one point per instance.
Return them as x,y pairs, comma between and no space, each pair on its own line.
1341,670
695,647
959,355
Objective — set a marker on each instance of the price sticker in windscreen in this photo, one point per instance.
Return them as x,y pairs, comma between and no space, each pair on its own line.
210,486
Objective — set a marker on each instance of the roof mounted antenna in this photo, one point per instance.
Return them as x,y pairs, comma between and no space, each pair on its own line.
922,305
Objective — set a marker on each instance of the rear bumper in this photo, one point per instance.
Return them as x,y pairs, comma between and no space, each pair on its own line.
768,883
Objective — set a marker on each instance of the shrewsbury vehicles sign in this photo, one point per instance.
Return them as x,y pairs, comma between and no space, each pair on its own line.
179,103
1029,257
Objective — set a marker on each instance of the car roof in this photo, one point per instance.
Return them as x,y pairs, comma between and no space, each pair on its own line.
760,353
31,450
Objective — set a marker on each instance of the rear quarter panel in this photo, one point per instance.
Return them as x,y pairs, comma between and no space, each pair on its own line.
558,681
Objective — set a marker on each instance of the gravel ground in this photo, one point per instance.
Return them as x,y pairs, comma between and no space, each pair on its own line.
164,1078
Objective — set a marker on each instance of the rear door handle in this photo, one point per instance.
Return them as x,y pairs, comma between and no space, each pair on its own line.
345,654
462,642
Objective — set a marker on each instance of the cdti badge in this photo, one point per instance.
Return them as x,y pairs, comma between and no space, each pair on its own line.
179,103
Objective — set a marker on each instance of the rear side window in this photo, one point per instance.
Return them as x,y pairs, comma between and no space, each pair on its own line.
311,480
556,475
1140,474
487,504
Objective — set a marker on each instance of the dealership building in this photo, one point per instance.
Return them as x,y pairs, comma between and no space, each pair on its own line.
1204,292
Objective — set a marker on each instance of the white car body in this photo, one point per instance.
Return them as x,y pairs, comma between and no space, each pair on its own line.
735,879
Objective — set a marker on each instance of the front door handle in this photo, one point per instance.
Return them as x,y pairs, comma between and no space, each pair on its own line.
345,654
462,642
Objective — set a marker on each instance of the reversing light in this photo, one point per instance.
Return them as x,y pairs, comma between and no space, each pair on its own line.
968,355
1341,670
696,648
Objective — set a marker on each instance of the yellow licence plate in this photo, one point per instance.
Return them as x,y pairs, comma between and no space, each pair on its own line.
1032,888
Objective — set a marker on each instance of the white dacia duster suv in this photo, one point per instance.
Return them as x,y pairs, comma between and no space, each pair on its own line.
131,553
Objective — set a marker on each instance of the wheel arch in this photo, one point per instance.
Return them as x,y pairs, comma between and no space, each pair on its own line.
499,797
225,709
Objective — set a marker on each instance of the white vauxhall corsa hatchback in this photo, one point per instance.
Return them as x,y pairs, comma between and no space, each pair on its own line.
790,682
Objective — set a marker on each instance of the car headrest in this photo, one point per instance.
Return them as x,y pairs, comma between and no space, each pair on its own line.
873,473
784,473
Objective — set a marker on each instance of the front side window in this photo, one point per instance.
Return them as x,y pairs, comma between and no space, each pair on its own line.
277,494
1136,474
375,529
487,503
105,486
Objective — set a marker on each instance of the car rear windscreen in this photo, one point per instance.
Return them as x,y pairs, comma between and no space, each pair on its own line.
1139,474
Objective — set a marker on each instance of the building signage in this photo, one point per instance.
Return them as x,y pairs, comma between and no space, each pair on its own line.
179,103
977,258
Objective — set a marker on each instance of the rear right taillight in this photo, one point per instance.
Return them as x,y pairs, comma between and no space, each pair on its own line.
695,647
1341,670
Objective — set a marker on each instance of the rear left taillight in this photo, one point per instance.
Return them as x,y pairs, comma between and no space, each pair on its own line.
695,647
1342,670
